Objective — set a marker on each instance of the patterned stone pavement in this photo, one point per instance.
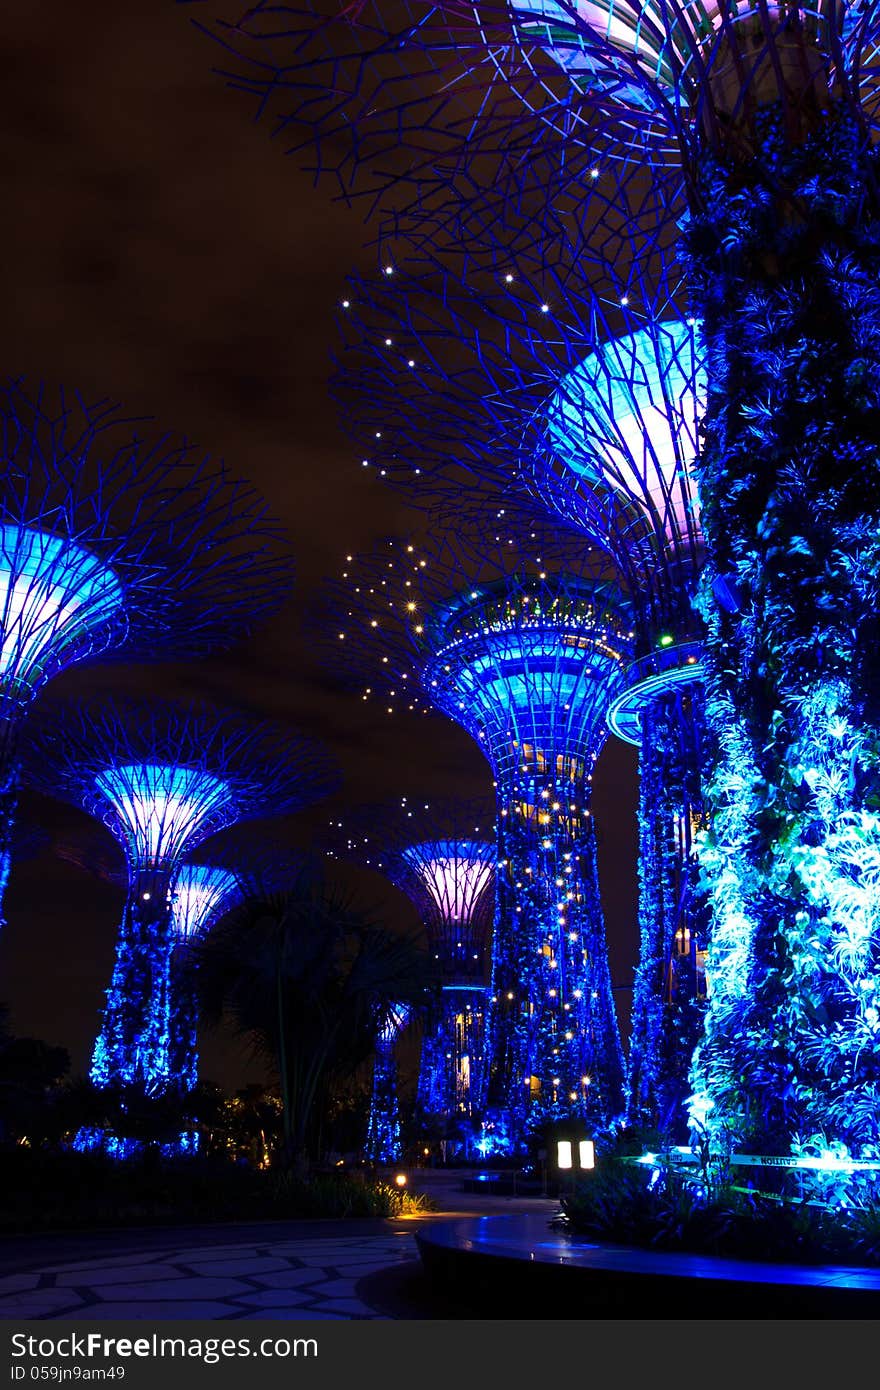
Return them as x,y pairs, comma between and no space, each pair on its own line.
286,1270
308,1277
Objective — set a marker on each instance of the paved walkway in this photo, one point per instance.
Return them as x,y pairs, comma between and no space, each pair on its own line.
287,1270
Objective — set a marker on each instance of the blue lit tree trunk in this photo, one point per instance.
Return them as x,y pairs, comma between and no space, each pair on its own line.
183,1021
133,1045
554,1044
9,782
784,268
451,1062
383,1129
667,996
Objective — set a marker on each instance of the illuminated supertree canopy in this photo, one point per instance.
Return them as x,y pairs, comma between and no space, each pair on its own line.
162,779
774,111
116,541
591,404
770,114
239,866
588,401
522,643
442,854
200,895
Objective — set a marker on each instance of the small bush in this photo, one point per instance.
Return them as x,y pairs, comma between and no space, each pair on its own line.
43,1190
342,1196
617,1203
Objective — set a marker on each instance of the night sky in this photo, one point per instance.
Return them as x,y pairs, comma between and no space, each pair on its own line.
158,249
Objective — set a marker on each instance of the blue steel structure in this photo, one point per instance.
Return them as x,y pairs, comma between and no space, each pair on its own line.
523,644
441,854
116,541
383,1126
200,895
241,866
465,392
162,779
773,112
767,116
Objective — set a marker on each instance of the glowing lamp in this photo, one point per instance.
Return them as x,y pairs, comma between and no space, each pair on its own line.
627,417
53,595
400,1179
564,1154
587,1154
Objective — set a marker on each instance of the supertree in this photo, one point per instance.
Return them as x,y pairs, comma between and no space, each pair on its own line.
116,541
521,640
772,111
441,854
203,890
383,1125
162,778
477,390
200,895
768,113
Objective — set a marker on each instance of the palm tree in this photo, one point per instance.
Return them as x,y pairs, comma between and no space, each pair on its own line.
311,977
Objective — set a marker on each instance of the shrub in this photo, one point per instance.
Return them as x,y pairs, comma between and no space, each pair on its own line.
619,1202
43,1190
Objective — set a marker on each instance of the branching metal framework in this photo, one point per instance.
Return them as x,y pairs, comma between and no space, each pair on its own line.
385,97
116,541
774,110
523,644
442,855
162,779
201,893
769,112
376,92
589,402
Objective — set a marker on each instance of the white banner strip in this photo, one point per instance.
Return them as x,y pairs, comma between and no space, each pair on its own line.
811,1165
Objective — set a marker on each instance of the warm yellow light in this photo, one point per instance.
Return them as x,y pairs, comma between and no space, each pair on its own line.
400,1179
587,1153
563,1153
